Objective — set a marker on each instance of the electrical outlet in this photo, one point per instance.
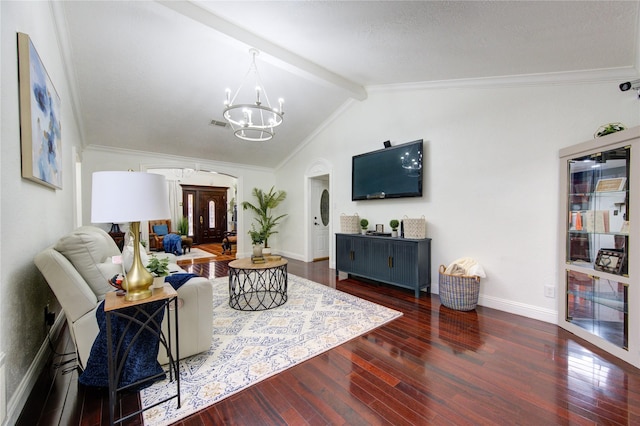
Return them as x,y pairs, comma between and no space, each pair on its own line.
49,317
549,291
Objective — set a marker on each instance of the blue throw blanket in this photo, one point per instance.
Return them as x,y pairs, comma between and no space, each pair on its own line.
172,243
142,361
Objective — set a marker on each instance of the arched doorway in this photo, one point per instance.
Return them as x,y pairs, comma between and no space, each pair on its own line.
177,178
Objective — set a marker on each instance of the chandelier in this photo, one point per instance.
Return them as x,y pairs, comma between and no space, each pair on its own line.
252,121
412,160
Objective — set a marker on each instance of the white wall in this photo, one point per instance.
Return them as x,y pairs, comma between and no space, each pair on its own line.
491,174
33,216
99,158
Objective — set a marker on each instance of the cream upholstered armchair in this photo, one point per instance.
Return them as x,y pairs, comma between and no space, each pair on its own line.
78,267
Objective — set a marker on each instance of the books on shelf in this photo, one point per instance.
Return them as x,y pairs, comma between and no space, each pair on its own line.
598,221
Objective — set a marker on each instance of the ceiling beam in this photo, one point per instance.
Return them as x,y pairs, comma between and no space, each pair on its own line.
283,58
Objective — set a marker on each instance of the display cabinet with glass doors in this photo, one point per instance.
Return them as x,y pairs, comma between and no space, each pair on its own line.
599,290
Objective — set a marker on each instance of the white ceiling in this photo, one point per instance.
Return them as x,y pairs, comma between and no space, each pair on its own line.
151,75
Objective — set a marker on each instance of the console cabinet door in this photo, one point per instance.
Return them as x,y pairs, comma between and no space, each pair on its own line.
378,259
360,262
352,255
404,268
344,253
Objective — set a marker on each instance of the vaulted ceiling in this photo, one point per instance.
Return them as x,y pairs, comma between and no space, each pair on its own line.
151,75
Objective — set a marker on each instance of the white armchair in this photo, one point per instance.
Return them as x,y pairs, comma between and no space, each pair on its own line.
77,269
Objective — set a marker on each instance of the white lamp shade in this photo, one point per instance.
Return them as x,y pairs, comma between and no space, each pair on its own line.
119,197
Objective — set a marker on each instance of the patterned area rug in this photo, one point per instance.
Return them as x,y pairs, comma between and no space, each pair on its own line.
248,347
195,253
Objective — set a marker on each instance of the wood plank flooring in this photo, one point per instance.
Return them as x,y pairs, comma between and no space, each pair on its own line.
431,366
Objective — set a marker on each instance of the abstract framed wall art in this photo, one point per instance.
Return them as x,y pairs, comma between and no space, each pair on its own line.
40,136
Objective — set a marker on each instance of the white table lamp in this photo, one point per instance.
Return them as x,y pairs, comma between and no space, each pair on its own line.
118,197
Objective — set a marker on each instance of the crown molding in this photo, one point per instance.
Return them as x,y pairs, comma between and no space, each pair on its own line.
159,160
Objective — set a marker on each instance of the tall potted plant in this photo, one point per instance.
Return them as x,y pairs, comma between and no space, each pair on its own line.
265,203
183,226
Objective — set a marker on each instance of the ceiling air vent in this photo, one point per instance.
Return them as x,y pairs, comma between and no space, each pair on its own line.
218,123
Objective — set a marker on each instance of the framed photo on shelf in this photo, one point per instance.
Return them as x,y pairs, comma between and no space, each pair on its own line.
40,139
611,184
609,260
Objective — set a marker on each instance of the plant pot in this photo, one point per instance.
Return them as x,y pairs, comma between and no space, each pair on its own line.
266,251
257,250
363,231
394,234
158,282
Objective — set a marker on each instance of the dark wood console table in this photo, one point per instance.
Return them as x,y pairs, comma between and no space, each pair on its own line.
402,262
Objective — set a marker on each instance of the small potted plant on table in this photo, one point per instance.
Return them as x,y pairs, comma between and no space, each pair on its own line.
159,268
364,225
257,239
394,223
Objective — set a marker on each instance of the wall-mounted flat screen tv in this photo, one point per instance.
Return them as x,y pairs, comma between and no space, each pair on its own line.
393,172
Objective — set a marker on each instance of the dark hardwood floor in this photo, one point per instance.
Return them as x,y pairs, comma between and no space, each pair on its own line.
431,366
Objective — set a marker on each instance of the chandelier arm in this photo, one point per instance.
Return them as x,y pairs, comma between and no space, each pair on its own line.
242,83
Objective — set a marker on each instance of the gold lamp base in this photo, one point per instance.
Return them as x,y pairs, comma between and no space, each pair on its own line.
138,279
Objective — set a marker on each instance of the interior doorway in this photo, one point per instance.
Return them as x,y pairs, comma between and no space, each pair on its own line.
320,212
205,208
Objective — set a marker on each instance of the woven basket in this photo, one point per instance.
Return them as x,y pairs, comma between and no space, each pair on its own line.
458,292
350,224
415,228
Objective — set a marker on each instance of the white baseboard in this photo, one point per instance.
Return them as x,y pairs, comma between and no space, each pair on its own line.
291,255
20,396
517,308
